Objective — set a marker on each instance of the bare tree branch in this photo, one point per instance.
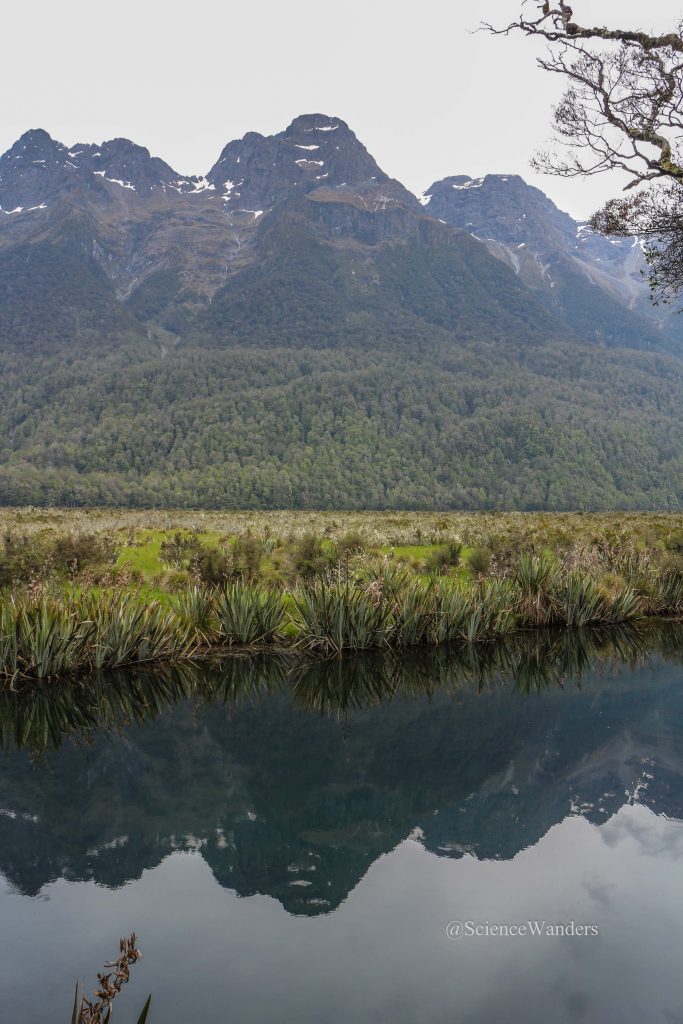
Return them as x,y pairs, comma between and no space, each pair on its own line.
623,110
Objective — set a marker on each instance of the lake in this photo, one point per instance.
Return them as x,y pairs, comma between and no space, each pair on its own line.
477,835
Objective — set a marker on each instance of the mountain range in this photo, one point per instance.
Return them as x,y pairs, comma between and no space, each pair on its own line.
297,329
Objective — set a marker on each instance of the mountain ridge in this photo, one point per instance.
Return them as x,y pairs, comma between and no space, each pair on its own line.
597,285
296,328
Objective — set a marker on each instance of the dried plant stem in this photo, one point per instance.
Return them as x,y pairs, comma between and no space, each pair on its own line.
110,984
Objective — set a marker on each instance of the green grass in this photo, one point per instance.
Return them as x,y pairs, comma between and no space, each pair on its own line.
407,551
144,556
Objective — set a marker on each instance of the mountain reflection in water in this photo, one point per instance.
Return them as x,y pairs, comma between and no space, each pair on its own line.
290,779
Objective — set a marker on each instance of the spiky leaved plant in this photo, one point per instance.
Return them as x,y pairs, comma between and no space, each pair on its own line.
248,614
666,597
580,601
129,631
194,607
414,612
332,619
535,577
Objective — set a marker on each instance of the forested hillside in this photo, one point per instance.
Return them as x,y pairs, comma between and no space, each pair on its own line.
304,336
473,427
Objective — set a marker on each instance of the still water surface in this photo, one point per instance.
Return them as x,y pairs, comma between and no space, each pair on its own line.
292,844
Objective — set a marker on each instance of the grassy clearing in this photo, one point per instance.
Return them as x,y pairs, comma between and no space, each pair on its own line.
146,548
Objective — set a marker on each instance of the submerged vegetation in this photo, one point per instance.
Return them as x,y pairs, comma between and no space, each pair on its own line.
120,594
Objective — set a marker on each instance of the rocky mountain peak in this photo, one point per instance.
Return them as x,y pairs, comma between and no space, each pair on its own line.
317,122
36,144
128,165
594,282
38,171
505,209
32,170
501,207
315,151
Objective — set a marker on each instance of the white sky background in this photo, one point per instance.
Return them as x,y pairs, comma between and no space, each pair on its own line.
426,97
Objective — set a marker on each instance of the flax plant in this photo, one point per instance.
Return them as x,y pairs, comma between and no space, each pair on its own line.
535,578
333,619
195,609
248,614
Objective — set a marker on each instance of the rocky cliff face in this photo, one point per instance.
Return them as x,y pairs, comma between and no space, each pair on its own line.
315,153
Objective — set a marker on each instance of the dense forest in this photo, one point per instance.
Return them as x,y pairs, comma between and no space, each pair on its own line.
469,426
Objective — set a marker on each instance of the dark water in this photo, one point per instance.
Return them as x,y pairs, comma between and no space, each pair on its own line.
291,843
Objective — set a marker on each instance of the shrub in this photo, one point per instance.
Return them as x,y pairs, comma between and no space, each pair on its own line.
350,544
479,560
247,555
23,559
445,557
179,549
211,566
83,551
311,558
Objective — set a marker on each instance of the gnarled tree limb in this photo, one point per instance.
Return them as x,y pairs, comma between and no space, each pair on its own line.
623,110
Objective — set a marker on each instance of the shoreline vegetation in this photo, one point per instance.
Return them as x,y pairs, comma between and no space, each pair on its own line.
38,717
84,592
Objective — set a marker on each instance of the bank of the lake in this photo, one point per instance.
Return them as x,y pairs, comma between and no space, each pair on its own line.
50,638
86,591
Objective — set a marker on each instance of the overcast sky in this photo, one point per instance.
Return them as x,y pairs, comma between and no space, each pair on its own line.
426,96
